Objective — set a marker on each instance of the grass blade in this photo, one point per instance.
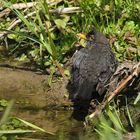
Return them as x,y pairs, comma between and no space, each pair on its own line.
34,126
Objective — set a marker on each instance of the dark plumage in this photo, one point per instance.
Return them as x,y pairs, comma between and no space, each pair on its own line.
92,67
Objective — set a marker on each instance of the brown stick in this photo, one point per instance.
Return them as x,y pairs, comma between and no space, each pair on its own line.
123,84
23,6
60,11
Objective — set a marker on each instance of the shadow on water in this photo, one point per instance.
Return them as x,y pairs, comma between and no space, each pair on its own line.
81,107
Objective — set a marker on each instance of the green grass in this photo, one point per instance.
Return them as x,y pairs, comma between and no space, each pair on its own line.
112,126
48,37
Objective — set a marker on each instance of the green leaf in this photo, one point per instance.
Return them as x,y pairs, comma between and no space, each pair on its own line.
22,58
128,113
67,72
50,77
6,113
34,126
12,36
60,23
137,99
3,102
16,131
66,18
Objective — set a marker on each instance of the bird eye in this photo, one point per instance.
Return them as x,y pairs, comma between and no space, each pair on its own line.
92,37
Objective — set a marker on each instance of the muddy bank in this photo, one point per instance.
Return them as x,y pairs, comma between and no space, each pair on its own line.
31,90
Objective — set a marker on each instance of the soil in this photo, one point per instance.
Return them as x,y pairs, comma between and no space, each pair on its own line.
31,90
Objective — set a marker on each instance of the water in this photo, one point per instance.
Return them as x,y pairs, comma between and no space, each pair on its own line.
58,122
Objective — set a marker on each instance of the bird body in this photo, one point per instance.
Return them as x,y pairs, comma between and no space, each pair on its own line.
92,67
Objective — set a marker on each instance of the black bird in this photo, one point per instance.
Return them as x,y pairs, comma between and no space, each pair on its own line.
92,67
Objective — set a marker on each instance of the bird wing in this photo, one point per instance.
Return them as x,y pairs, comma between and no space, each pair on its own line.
82,75
107,71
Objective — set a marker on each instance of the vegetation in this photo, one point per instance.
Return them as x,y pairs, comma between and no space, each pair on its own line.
48,38
45,35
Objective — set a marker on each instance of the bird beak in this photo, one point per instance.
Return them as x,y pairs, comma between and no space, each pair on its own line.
81,36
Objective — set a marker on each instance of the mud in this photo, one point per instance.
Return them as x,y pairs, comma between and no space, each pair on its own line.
31,90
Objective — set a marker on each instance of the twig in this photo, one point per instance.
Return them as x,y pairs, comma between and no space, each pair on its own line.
66,10
23,6
59,11
123,84
14,23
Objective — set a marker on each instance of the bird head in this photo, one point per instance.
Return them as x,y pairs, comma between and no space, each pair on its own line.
93,36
